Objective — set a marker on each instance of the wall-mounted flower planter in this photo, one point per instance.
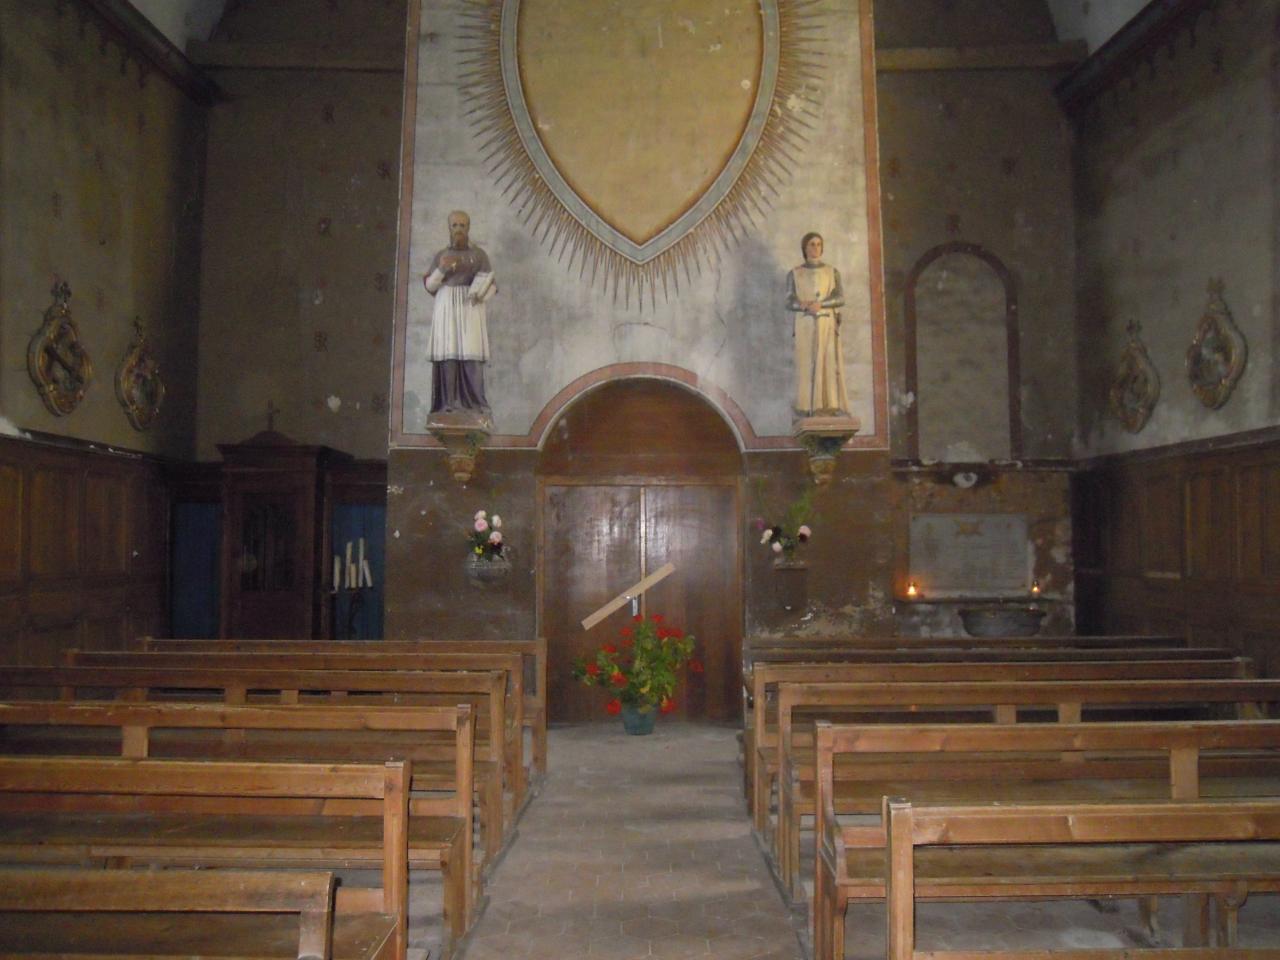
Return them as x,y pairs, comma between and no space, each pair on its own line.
791,584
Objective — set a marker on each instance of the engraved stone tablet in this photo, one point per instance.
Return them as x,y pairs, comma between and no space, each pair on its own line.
970,555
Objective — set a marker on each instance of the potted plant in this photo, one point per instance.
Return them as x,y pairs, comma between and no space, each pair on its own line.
488,557
641,670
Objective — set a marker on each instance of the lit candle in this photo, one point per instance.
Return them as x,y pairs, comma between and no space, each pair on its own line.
912,590
1035,588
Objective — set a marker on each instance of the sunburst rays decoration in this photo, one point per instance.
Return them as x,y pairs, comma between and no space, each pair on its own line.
790,121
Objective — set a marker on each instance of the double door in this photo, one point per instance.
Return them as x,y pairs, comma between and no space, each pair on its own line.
600,538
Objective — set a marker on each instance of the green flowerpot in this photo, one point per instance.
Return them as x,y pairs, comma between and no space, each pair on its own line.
638,722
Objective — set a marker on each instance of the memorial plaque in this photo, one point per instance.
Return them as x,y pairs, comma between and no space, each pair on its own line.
970,555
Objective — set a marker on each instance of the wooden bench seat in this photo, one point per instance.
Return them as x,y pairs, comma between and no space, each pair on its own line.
442,776
213,813
484,690
990,852
757,649
1085,763
226,913
801,704
533,652
761,732
510,664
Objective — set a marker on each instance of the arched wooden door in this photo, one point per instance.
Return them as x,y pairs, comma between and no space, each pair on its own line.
637,474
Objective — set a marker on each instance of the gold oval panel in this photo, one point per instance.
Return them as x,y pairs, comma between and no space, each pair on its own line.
639,104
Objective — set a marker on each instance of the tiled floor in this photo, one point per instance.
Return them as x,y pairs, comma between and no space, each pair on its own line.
641,847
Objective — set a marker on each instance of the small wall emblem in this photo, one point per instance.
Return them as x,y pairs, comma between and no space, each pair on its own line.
56,359
1135,387
139,387
1217,355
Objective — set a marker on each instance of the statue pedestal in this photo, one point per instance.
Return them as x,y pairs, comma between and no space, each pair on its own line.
461,433
823,437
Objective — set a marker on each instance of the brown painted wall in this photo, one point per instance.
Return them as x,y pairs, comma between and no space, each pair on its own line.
300,226
1178,180
101,162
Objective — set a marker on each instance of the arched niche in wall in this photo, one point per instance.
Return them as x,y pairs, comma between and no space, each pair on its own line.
633,474
962,356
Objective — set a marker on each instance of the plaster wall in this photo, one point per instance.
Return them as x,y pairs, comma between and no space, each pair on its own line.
727,324
984,158
1177,181
962,337
1094,22
100,174
182,20
299,240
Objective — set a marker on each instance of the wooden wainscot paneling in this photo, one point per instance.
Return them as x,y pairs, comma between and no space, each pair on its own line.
104,524
12,511
83,548
1161,502
1209,542
53,521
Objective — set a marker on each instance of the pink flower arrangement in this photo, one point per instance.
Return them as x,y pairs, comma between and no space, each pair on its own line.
486,536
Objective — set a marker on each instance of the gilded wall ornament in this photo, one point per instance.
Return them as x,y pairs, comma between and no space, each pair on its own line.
1217,355
139,387
1135,388
682,182
56,359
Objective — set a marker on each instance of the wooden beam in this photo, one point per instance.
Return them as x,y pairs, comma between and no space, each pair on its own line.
222,55
1017,56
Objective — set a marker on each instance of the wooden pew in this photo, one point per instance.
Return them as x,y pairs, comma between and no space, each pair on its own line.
511,664
534,653
442,775
1036,641
1063,701
1025,763
995,852
484,690
97,913
215,813
760,736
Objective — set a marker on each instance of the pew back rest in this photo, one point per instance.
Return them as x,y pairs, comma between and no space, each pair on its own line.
309,894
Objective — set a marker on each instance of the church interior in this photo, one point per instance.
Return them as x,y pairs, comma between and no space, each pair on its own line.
903,363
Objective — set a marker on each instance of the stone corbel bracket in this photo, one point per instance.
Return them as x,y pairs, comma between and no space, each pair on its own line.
462,435
823,438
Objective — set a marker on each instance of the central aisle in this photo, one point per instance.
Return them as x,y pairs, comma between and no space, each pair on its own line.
635,847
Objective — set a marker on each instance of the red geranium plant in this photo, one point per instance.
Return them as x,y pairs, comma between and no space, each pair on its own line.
642,669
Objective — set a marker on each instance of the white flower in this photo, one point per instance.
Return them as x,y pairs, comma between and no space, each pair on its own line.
804,531
481,525
480,514
766,536
495,538
496,521
777,546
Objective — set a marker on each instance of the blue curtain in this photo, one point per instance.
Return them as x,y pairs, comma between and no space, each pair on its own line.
357,614
194,574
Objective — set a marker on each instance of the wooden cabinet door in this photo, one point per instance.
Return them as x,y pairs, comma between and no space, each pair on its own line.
598,539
